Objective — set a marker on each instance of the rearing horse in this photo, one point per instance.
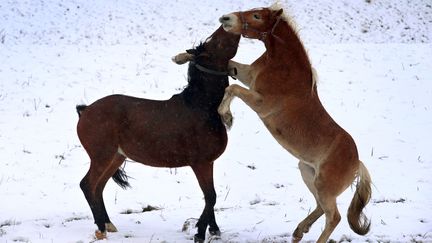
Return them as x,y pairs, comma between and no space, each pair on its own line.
185,130
282,91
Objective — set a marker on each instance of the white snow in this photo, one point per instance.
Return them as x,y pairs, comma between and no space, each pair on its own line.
374,62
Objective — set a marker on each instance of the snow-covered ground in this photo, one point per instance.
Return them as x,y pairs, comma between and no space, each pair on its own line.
374,61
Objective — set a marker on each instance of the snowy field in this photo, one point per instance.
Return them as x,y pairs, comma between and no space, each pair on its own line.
374,61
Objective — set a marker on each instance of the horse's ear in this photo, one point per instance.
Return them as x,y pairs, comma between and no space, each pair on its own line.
191,51
278,13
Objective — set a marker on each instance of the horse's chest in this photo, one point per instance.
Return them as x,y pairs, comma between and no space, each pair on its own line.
262,79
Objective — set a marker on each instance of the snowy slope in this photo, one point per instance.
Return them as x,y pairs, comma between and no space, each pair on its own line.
374,63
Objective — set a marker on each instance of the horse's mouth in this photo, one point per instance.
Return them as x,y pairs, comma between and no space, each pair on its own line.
227,27
225,23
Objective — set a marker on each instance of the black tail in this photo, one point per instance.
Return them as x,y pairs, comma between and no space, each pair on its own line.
121,178
80,109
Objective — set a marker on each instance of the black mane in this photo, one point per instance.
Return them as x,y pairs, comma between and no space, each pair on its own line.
204,90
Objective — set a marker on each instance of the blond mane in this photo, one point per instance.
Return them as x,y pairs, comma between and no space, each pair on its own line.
287,17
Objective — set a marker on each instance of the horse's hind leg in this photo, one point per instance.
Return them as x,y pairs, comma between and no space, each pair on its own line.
332,215
93,184
204,174
333,178
308,175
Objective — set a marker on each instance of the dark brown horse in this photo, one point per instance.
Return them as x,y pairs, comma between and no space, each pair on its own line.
185,130
282,91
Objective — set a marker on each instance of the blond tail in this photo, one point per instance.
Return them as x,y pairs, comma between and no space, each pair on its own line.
358,222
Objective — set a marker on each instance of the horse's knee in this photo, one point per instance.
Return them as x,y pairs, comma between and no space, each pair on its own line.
84,185
87,189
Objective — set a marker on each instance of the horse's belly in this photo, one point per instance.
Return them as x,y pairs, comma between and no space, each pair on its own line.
291,140
175,151
288,146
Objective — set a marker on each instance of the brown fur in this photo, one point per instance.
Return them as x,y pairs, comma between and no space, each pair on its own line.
280,92
185,130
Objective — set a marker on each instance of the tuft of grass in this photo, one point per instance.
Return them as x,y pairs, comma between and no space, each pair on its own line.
255,201
400,200
345,238
76,218
20,239
252,167
147,208
9,223
2,36
150,208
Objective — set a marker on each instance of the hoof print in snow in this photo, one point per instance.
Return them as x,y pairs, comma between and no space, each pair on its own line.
189,225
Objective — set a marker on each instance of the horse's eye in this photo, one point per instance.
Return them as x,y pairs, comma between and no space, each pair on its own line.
257,16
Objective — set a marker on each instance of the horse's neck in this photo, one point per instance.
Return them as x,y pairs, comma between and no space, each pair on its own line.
284,44
284,47
204,90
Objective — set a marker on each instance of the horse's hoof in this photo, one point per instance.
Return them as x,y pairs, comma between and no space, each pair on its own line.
228,119
296,239
110,227
100,235
182,58
232,72
197,239
215,232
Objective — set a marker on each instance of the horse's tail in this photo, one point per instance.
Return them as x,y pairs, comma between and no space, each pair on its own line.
121,178
358,222
80,109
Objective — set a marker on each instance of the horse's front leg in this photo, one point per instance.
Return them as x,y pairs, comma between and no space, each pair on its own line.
204,174
252,98
240,71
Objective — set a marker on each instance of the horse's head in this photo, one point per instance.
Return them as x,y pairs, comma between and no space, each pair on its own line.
208,69
220,46
215,52
255,23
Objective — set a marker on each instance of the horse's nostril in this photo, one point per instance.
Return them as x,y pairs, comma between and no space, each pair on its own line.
224,18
